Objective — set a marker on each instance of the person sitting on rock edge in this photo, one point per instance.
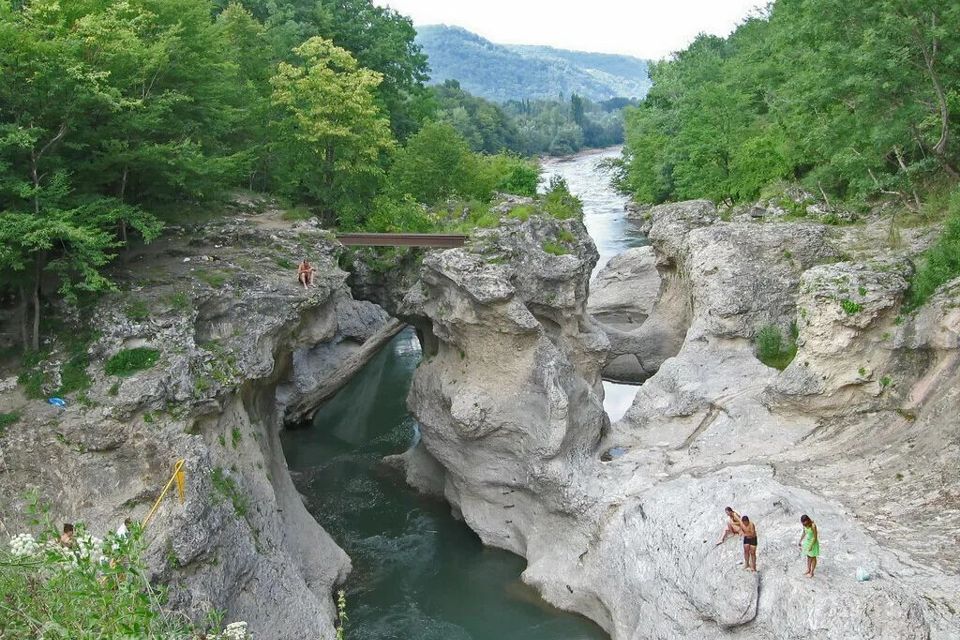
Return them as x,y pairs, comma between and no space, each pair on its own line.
733,525
809,543
749,531
305,273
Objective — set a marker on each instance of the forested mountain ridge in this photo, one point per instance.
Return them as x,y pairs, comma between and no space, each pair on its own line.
514,72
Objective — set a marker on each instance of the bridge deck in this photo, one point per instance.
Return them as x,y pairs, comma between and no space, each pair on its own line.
442,240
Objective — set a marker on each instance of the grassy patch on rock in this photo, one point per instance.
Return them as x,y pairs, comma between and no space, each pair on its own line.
555,249
129,361
228,488
940,263
773,349
7,419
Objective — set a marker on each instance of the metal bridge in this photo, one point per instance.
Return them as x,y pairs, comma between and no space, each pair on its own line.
441,240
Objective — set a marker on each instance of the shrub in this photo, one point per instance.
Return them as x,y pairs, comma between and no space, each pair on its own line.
522,212
850,307
941,262
513,174
180,301
33,379
7,419
228,488
129,361
555,249
771,348
436,164
297,213
396,215
97,588
215,279
137,310
559,202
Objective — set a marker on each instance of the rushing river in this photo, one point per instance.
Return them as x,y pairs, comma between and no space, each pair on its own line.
418,574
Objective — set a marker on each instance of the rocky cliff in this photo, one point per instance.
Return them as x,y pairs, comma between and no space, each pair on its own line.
859,431
240,347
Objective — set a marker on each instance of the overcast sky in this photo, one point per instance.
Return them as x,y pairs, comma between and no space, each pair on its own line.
643,28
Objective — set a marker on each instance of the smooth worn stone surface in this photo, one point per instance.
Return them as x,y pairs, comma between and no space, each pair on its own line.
509,409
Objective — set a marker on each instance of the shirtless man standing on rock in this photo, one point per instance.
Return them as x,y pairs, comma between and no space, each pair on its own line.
749,531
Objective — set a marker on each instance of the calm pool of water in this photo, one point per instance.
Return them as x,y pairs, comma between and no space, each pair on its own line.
418,574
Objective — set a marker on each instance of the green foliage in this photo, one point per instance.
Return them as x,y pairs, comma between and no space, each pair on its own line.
850,307
555,249
137,310
32,378
559,202
180,301
342,618
97,588
7,419
484,125
527,126
522,212
215,279
235,437
437,164
36,367
128,361
772,349
395,215
329,143
226,487
513,174
941,262
849,97
297,213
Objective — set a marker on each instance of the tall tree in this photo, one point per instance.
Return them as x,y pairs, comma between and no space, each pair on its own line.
331,136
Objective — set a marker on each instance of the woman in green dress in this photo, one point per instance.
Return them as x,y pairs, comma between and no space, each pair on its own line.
810,543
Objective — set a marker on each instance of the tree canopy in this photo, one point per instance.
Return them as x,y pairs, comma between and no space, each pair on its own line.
854,98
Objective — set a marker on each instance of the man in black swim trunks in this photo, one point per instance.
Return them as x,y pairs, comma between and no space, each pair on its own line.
749,532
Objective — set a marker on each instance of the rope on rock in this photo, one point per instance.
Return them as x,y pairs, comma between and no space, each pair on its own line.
178,477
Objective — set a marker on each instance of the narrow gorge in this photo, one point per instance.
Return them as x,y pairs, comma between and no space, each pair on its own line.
509,347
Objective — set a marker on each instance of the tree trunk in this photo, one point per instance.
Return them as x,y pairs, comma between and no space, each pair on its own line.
940,148
24,318
37,282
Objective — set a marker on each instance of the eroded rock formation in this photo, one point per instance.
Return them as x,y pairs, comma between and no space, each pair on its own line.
241,344
858,432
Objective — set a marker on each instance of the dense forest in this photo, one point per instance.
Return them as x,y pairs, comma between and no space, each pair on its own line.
510,72
115,116
855,99
531,127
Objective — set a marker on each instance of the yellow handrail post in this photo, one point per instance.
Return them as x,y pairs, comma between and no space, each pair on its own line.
178,477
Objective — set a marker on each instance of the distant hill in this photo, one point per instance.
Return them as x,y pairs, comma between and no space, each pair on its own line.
514,72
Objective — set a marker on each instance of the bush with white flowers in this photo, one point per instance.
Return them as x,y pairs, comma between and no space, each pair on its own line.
88,587
23,545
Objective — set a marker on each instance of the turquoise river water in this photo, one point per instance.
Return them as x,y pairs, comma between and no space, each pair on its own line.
419,574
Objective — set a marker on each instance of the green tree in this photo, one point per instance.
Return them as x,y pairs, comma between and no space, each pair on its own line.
436,164
576,109
330,135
